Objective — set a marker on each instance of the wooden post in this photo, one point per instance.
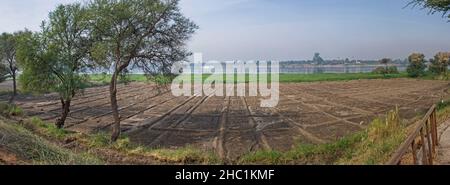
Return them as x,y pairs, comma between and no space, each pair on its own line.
414,152
434,121
424,150
429,138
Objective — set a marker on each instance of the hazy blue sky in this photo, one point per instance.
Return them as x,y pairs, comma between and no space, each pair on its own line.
287,29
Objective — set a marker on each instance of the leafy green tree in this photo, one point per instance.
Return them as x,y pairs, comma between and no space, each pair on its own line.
53,59
317,59
439,64
435,6
4,74
8,48
417,65
145,34
385,62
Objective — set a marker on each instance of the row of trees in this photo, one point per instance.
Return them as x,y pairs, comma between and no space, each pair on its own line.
438,65
116,35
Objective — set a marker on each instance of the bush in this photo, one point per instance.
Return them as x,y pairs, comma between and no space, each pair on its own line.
10,110
393,70
373,145
383,70
379,70
161,81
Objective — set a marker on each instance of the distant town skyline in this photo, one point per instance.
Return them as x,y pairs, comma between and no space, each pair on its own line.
287,29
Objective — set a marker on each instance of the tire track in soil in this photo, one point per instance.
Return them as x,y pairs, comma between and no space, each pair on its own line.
77,104
50,103
397,91
105,95
336,119
314,139
260,138
330,115
220,139
154,105
137,102
122,97
54,113
404,87
179,121
149,124
393,92
128,96
358,110
300,128
127,130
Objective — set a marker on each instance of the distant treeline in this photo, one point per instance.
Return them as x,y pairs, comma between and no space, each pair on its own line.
342,62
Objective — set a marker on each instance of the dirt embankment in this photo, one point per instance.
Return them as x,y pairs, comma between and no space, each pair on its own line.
9,158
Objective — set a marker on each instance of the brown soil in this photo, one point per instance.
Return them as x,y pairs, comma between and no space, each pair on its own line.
9,158
307,113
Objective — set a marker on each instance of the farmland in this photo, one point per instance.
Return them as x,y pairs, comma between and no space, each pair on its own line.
308,113
284,77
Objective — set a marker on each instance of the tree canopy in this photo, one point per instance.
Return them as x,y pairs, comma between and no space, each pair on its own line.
439,64
8,49
317,59
54,58
417,65
434,6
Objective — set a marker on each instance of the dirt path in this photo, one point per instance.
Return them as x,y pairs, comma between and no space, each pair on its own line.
444,144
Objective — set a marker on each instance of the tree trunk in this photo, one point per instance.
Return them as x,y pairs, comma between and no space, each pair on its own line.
14,84
65,112
13,96
115,108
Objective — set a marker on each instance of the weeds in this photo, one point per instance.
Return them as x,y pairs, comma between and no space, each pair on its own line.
36,150
371,146
47,129
9,110
185,155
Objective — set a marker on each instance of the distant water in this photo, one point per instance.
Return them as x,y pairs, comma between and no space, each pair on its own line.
292,68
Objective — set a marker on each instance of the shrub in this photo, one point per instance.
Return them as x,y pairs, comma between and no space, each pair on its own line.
10,110
439,64
373,145
161,81
379,70
393,70
383,70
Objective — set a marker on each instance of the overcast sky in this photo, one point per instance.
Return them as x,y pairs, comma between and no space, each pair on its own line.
286,29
